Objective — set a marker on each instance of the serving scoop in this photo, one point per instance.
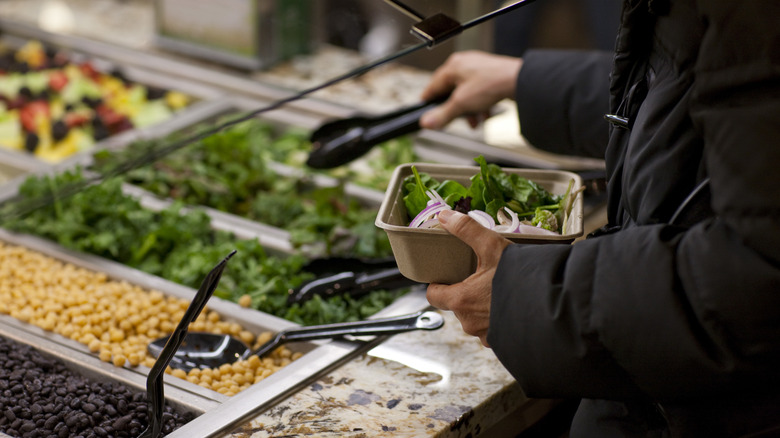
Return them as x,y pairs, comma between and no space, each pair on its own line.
208,350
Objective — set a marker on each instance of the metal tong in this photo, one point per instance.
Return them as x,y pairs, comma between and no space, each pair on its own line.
338,142
349,276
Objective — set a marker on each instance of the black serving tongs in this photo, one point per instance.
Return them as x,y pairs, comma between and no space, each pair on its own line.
349,276
338,142
154,382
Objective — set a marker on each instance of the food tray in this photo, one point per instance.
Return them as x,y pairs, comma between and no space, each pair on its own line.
434,255
95,369
197,94
318,357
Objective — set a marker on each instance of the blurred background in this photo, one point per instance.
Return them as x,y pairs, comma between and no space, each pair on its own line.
371,27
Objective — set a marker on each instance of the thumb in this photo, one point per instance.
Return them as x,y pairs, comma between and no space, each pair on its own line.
487,244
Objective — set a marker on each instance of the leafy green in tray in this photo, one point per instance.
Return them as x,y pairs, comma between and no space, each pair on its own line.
101,220
228,171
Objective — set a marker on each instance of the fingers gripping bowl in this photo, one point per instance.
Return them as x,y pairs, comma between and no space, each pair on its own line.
432,255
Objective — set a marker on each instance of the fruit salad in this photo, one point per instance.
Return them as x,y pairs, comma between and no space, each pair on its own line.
53,107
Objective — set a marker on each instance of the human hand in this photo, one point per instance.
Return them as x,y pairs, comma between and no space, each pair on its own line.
476,80
469,300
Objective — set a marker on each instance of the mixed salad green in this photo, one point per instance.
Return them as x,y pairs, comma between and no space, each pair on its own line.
102,220
497,197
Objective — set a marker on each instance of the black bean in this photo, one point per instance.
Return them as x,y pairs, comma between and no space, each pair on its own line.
27,427
121,423
71,421
121,406
51,423
85,420
109,410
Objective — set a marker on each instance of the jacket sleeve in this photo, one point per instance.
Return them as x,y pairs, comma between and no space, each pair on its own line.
562,96
670,312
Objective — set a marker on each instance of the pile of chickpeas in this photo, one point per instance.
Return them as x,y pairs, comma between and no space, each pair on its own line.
117,320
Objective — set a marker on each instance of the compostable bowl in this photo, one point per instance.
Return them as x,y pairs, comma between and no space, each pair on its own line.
436,256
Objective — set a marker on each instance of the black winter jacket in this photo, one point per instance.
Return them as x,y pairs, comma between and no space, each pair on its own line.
679,307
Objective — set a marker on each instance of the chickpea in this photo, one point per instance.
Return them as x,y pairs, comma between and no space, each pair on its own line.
239,379
134,359
94,345
245,301
119,360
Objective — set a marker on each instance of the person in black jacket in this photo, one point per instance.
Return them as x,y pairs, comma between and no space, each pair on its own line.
667,323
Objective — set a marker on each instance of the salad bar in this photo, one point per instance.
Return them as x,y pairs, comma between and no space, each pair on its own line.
91,282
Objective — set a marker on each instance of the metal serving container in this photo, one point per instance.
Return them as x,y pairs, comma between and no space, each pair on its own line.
201,95
219,411
91,367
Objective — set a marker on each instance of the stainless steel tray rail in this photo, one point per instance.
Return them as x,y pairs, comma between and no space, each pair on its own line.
13,165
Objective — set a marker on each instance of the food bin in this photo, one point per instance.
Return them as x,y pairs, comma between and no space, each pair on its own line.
109,384
68,101
218,411
436,256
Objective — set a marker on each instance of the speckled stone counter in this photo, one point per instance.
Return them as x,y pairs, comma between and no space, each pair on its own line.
438,384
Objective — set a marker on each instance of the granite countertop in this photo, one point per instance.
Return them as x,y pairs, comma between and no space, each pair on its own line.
439,384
